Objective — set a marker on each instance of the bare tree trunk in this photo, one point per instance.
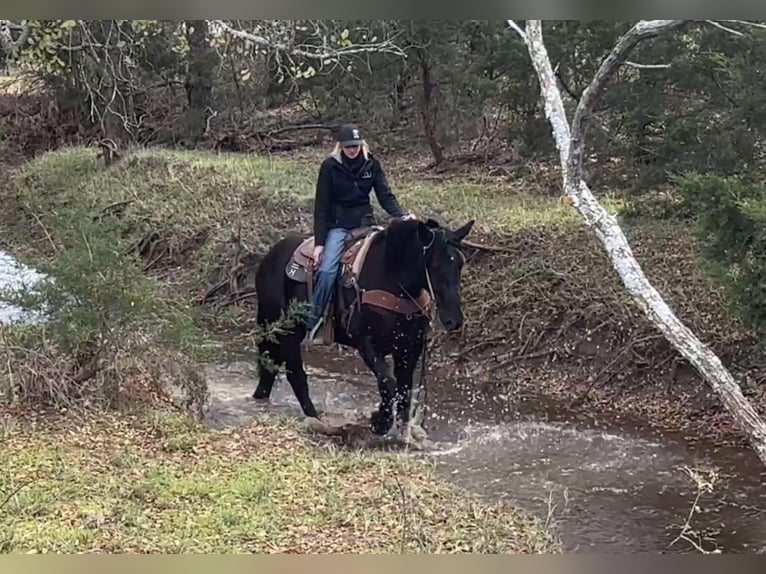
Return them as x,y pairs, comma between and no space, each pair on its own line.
571,147
429,110
199,79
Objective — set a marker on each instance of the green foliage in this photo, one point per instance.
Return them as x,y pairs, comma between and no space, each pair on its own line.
120,484
731,215
96,304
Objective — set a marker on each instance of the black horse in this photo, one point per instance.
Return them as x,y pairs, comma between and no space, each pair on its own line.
379,313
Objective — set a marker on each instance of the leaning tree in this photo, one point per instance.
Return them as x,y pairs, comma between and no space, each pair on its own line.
570,142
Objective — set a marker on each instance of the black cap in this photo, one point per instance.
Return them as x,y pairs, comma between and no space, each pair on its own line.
350,135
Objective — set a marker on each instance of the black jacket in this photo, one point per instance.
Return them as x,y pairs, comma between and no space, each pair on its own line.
343,197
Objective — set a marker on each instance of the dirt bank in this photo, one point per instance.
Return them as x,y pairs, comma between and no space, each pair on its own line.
544,310
547,314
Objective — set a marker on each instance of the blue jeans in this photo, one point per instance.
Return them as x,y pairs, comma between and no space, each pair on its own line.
327,272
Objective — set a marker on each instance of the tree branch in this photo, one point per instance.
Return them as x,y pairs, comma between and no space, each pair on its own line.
747,23
318,53
570,145
646,66
518,29
642,31
724,28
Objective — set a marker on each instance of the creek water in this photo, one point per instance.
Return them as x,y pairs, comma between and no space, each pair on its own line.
15,276
607,487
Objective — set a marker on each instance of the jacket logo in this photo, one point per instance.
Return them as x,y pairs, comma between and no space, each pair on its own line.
367,174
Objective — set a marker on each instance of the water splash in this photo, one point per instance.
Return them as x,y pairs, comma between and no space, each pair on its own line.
608,491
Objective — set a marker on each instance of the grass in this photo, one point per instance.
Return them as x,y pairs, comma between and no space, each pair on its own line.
539,285
200,189
128,484
138,482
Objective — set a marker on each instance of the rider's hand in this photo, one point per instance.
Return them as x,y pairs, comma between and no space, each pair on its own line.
408,216
318,255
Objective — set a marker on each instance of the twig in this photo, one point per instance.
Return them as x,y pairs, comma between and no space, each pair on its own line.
113,206
13,493
481,247
40,223
705,486
507,359
647,66
480,345
404,512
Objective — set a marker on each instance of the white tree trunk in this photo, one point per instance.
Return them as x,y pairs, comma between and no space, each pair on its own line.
571,146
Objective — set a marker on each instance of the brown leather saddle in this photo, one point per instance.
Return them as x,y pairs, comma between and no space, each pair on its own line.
300,268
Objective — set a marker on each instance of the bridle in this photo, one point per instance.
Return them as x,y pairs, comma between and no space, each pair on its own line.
429,314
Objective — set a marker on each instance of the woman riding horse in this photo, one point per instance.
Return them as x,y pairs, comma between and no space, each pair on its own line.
341,204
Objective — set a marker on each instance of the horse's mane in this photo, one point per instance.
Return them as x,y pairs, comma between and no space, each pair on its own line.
402,244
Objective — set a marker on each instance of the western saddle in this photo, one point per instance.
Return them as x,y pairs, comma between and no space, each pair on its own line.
300,268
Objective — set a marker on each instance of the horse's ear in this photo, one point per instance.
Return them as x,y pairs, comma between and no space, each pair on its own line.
463,231
424,233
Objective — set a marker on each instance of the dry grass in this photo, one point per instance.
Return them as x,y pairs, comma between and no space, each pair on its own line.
158,483
551,296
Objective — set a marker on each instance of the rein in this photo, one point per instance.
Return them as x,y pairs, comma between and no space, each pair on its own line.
422,378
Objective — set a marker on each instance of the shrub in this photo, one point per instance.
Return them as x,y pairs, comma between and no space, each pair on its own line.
731,219
106,329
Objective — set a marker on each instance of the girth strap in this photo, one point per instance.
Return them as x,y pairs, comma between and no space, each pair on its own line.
386,300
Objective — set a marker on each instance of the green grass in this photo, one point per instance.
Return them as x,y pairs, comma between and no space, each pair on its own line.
202,189
111,484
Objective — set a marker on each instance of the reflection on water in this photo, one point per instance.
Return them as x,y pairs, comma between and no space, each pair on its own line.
607,491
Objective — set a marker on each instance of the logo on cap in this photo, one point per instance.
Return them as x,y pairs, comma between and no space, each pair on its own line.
356,134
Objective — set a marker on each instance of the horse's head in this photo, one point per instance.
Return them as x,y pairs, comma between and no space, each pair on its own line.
444,263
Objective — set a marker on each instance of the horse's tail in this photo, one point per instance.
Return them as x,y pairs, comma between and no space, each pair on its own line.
271,281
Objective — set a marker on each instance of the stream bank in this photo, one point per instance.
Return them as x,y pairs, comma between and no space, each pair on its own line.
607,485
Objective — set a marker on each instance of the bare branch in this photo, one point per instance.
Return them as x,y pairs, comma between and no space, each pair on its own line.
518,29
747,23
724,28
318,53
704,486
646,66
640,32
570,145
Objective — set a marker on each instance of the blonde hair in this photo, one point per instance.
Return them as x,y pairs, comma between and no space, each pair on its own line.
365,149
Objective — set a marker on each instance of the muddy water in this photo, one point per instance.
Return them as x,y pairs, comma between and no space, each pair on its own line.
606,488
607,485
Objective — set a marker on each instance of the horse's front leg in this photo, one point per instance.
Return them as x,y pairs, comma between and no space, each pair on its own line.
405,361
383,418
404,368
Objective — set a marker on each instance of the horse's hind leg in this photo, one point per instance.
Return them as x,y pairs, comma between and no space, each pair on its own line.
296,375
269,361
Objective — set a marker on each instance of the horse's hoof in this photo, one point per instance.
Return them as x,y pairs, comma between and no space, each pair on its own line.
380,424
418,433
261,398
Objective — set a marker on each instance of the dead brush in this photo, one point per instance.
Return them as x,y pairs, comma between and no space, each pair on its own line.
535,299
38,373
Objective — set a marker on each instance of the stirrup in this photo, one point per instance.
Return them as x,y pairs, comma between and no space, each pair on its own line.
311,335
